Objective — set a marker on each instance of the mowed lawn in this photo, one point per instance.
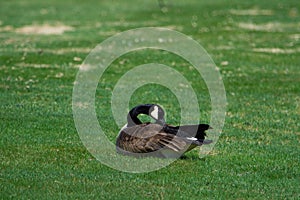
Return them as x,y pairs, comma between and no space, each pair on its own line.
256,46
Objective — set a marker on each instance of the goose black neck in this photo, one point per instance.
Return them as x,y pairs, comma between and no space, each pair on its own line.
132,118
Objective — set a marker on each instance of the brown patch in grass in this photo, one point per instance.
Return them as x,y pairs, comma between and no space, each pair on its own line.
44,29
251,12
276,50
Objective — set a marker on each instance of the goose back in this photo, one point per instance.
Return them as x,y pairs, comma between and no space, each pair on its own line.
147,138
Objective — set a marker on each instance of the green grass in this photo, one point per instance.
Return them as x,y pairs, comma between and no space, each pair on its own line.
257,155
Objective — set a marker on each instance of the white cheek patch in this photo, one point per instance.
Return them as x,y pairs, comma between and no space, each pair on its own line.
154,113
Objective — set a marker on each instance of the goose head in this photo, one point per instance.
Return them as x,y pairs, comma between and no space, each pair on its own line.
157,113
153,110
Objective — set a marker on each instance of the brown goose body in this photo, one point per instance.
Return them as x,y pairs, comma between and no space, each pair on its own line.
152,140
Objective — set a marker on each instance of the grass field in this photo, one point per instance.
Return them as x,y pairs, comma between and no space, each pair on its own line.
256,46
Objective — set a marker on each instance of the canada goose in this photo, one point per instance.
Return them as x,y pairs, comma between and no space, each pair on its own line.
158,139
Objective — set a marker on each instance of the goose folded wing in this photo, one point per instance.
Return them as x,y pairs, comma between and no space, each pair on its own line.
197,130
149,138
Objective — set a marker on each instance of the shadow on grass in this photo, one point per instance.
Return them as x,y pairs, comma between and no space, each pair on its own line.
191,157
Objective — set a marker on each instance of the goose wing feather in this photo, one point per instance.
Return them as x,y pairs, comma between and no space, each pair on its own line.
148,138
197,130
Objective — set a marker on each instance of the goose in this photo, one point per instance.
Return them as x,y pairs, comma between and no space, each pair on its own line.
158,139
